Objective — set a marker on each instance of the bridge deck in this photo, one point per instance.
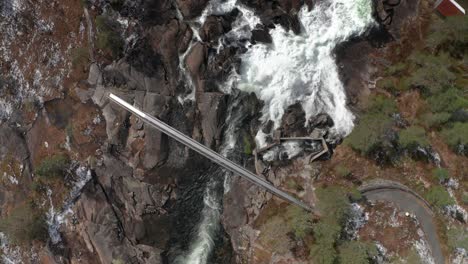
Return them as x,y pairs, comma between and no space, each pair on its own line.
208,153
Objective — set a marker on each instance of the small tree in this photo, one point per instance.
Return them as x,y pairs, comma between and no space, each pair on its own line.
369,133
438,196
53,167
412,137
457,137
108,38
299,221
440,174
354,252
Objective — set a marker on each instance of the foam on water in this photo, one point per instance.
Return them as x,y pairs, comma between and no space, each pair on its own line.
302,68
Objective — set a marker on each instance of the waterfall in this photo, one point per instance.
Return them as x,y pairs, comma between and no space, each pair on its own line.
302,68
56,218
294,68
203,244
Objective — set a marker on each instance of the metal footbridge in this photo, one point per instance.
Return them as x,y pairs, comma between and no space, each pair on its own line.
208,153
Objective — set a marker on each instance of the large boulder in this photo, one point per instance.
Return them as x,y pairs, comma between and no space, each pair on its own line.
191,8
211,107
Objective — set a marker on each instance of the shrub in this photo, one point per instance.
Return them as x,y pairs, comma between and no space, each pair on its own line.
432,74
447,101
456,136
108,37
24,225
465,198
355,252
53,167
247,145
342,171
457,237
441,174
334,206
355,195
435,120
369,133
387,83
449,34
438,196
412,137
323,253
396,69
80,56
382,105
299,221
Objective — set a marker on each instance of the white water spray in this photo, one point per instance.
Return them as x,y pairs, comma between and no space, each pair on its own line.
294,68
302,68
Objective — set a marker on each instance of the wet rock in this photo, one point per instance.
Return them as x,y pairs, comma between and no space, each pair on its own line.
293,122
322,120
211,107
196,63
212,29
282,13
262,35
219,68
191,8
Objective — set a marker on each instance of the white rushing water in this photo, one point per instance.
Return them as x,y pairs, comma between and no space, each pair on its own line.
294,68
302,68
56,218
202,246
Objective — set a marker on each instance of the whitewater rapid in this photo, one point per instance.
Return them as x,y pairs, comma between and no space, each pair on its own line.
302,68
293,68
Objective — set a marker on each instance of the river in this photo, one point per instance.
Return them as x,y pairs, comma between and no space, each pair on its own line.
293,68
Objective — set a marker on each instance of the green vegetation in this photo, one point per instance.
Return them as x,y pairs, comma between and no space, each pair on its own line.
413,137
294,185
247,144
449,34
448,101
342,171
435,120
368,134
432,74
457,237
118,261
380,104
80,56
439,197
275,233
456,136
411,258
23,225
355,252
53,167
299,221
441,174
108,38
465,198
355,195
334,206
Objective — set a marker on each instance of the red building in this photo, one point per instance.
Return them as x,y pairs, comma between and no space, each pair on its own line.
449,8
